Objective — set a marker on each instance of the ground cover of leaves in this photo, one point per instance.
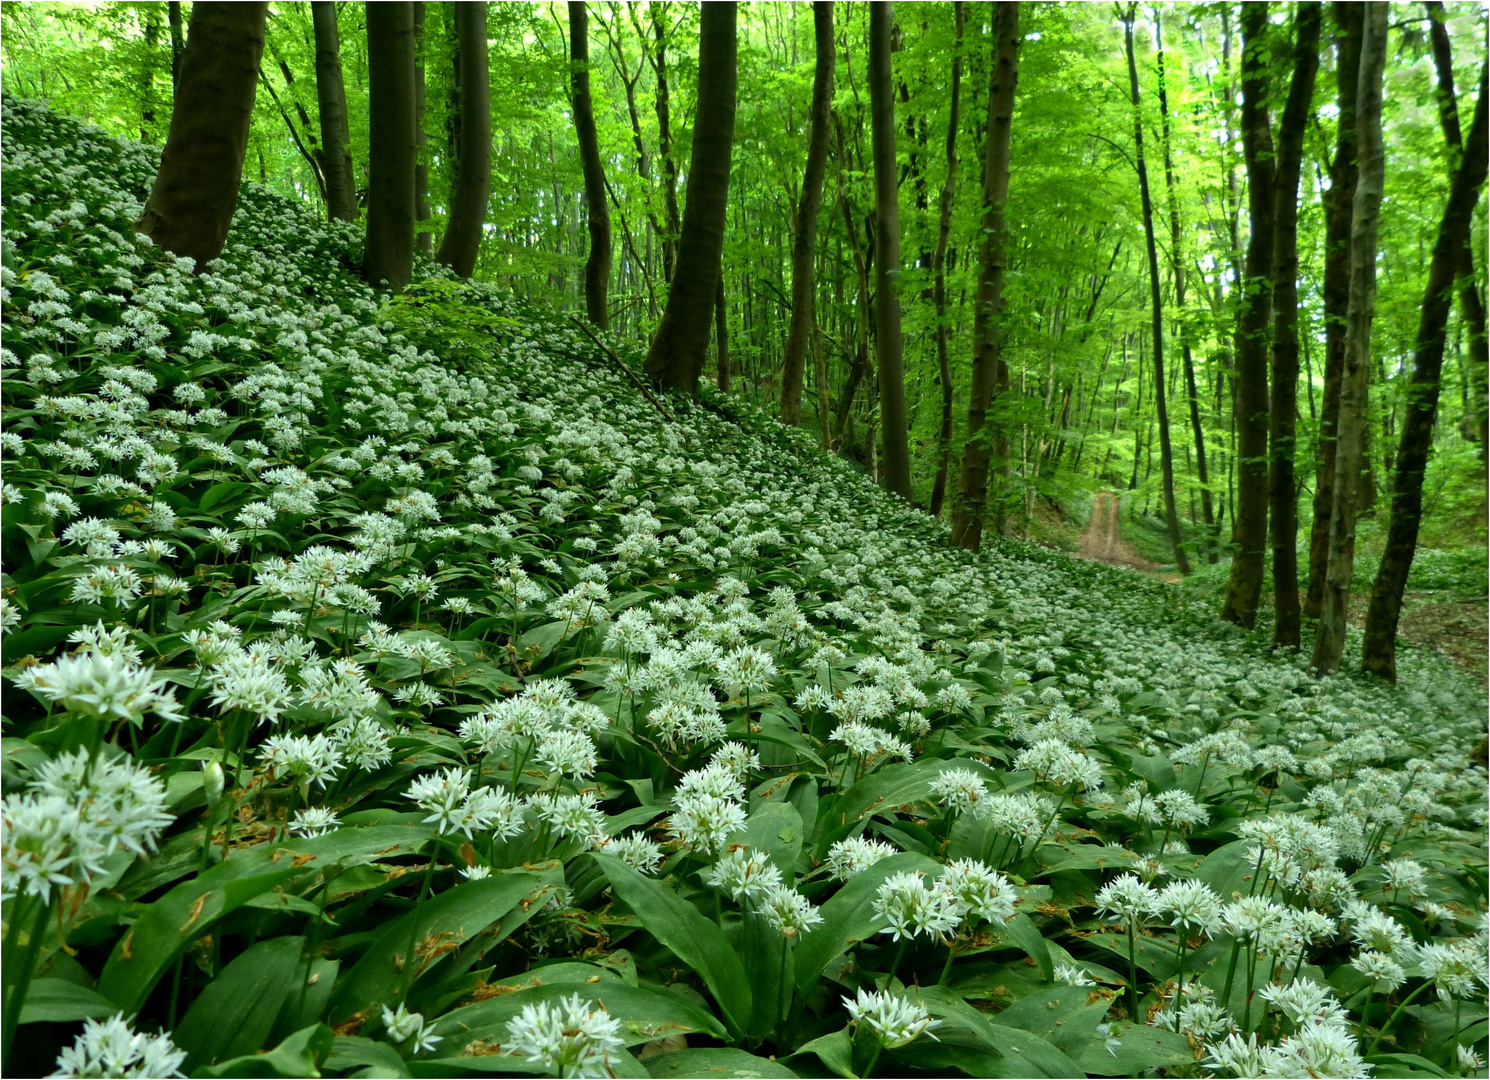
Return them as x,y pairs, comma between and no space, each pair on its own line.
391,690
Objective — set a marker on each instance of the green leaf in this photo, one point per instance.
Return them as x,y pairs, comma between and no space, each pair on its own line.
1064,1016
836,1051
298,1056
235,1013
695,940
720,1062
1143,1047
365,1057
1022,931
177,919
384,973
60,1001
220,492
848,917
1020,1053
645,1014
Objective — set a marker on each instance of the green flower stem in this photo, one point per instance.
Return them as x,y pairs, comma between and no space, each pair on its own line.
874,1059
1132,969
1396,1013
16,999
899,956
947,967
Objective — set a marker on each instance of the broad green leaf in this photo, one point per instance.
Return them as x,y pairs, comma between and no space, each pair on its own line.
848,916
354,1055
1142,1047
60,1001
235,1013
177,919
645,1014
300,1055
386,970
836,1051
1021,931
695,940
721,1062
1064,1016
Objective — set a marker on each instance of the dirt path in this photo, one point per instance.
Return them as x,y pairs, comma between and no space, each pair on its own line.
1102,540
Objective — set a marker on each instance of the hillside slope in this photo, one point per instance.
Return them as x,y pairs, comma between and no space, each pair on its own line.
436,552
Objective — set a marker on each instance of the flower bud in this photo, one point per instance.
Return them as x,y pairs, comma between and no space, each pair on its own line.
212,783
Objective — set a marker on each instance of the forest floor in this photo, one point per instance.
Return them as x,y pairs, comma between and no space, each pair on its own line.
1443,619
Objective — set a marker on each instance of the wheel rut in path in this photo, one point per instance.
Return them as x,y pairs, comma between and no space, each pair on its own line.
1103,542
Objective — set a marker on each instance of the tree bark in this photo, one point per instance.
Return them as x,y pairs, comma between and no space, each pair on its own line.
662,106
423,238
1329,641
331,97
1156,303
888,345
1344,171
1177,268
391,149
939,274
804,246
990,374
1244,589
676,357
1282,490
178,43
721,338
597,211
195,192
472,187
1379,655
1471,304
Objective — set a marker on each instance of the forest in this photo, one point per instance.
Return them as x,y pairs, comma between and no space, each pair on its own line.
768,539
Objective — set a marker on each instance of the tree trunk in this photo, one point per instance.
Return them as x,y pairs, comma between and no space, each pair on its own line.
676,357
887,339
1282,490
331,96
196,189
178,44
990,374
939,272
391,150
1380,652
1156,304
804,246
662,105
597,210
1471,305
1177,258
472,187
1344,171
1329,641
721,337
423,238
1244,589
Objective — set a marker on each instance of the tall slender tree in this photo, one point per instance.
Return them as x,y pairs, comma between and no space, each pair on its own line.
1379,654
1156,293
1250,404
331,97
1282,493
471,189
1335,290
1471,303
1178,276
391,144
423,238
803,324
597,211
939,271
1329,640
888,345
676,356
195,192
990,373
